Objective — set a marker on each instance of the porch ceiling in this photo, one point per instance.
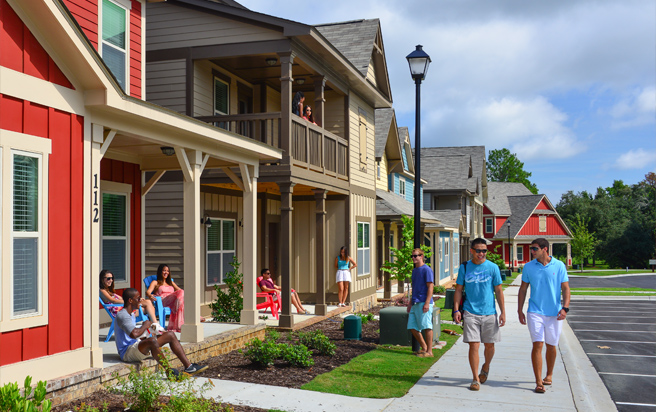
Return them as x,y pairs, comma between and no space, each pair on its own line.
269,187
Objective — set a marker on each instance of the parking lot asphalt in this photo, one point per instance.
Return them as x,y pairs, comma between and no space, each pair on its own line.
646,281
619,337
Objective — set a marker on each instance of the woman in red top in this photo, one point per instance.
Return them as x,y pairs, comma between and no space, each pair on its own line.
267,285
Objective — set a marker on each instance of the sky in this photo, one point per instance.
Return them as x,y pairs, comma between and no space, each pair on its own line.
567,85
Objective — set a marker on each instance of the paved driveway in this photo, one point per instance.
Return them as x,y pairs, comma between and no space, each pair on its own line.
614,281
619,337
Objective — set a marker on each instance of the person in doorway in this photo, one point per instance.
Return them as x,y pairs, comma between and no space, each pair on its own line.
297,103
548,279
481,279
420,307
132,348
344,264
267,285
172,296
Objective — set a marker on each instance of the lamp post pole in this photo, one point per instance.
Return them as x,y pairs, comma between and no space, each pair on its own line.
510,261
418,61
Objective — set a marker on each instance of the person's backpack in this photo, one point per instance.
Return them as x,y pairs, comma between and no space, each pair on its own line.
464,295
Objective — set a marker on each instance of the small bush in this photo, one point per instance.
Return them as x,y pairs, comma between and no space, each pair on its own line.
140,389
11,399
229,301
261,353
439,290
272,335
319,341
296,355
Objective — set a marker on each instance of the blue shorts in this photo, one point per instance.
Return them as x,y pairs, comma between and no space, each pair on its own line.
418,320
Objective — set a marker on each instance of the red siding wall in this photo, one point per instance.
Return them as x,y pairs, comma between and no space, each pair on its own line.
486,211
532,227
20,51
122,172
65,196
543,205
86,13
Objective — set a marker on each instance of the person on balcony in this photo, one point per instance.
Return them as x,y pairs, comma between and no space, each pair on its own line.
172,296
308,115
344,264
297,103
109,295
266,285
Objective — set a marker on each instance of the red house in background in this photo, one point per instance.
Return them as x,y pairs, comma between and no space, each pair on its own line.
76,141
513,217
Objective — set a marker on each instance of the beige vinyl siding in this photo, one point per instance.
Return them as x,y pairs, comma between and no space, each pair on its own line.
272,100
165,84
382,184
171,27
164,237
334,113
364,207
203,88
367,177
371,72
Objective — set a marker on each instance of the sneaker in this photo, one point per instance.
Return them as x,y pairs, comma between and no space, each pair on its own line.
195,368
173,374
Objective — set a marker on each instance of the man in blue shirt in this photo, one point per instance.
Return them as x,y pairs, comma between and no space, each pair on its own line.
547,277
420,307
481,280
132,348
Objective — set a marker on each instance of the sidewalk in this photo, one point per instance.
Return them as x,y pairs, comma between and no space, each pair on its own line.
576,387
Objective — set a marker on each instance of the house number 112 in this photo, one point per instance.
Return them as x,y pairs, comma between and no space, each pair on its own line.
95,199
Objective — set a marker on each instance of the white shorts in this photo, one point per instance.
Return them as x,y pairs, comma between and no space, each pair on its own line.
133,354
344,275
544,328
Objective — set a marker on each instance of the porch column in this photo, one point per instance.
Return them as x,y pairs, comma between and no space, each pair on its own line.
320,253
286,80
249,176
387,284
400,284
191,165
319,100
286,237
92,316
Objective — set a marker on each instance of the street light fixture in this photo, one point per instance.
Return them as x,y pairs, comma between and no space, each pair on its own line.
418,61
509,247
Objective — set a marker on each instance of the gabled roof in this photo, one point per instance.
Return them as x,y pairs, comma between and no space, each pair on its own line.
382,120
449,218
522,207
432,161
498,193
391,206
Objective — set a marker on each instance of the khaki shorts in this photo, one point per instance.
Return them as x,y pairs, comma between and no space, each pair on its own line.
477,328
133,354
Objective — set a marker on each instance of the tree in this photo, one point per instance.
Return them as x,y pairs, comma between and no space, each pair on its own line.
583,242
503,166
401,268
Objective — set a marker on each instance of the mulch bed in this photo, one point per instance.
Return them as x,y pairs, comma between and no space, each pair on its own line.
233,366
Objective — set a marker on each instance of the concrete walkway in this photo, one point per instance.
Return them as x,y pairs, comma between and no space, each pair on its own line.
576,387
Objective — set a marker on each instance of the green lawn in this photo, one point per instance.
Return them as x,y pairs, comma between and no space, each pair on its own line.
587,272
385,372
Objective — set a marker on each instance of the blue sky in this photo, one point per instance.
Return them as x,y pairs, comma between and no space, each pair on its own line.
567,85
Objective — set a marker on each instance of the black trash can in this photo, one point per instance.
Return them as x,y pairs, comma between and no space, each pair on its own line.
448,299
352,328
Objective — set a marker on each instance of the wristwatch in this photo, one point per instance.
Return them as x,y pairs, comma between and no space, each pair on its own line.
566,309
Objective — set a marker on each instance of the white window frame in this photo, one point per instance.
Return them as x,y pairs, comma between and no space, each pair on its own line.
14,143
401,186
447,259
489,225
543,224
219,221
364,264
519,252
122,189
127,6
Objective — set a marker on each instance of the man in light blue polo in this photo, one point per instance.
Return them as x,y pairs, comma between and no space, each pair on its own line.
481,281
548,278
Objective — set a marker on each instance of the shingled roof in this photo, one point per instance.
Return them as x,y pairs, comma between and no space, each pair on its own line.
391,206
448,218
354,39
440,177
498,193
382,121
521,207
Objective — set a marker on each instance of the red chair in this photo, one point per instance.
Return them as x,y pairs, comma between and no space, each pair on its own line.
269,301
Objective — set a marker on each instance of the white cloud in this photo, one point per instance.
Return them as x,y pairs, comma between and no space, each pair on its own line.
635,110
636,159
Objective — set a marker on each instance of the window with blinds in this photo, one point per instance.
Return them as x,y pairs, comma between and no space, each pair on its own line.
221,93
115,235
364,250
114,40
220,244
26,233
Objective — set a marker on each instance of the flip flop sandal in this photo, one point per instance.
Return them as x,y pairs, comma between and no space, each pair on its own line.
540,389
546,381
474,386
483,376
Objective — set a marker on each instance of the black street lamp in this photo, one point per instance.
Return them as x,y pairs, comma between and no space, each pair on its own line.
418,61
509,247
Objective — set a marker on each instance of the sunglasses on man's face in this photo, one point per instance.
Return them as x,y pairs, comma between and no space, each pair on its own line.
535,249
480,251
416,256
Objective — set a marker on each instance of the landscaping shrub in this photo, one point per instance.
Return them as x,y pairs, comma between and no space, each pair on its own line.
296,355
12,400
439,290
141,389
229,301
261,353
319,341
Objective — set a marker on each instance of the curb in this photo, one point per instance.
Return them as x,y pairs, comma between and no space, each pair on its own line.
588,391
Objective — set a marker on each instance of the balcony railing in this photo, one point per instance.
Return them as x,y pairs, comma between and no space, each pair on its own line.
312,147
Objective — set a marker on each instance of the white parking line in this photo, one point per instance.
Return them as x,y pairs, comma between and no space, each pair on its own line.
621,354
618,331
623,323
626,374
636,404
615,341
